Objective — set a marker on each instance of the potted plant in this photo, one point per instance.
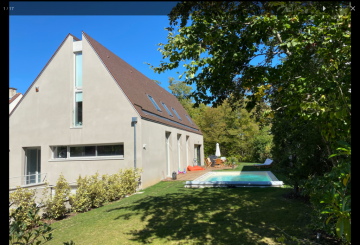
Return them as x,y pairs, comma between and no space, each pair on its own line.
232,161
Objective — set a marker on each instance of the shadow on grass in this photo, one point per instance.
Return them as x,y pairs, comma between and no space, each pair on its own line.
213,215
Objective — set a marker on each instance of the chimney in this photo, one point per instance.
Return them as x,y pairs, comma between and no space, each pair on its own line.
12,92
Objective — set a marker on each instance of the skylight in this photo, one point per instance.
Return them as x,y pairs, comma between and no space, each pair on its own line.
153,101
176,114
189,119
166,108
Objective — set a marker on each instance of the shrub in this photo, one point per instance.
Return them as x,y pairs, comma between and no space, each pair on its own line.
112,186
94,192
129,180
25,233
232,160
26,199
54,206
81,202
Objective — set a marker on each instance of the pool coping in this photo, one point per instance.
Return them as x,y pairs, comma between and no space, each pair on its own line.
197,183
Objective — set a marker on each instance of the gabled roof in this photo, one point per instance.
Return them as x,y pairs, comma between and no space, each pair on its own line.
77,39
136,86
14,97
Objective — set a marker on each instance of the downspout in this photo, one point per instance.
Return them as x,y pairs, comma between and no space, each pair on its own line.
134,120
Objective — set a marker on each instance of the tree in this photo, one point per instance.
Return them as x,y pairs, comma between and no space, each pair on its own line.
313,79
309,89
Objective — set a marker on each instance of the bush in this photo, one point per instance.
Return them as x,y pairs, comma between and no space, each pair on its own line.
113,187
97,191
94,192
25,233
128,180
54,206
26,199
81,202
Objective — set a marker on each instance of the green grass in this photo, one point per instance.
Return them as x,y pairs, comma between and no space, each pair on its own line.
168,213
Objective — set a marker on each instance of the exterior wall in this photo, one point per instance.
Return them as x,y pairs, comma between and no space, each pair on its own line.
45,118
154,154
14,103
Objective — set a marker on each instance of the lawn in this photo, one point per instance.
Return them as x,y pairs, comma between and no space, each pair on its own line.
168,213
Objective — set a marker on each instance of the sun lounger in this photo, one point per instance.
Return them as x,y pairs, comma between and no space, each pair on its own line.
267,164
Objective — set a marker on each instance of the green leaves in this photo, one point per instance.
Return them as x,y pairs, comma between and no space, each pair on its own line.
340,226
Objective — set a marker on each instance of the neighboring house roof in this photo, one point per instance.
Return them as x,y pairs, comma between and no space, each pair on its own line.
14,97
77,39
136,86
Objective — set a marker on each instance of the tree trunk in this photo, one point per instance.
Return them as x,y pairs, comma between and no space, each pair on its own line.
296,187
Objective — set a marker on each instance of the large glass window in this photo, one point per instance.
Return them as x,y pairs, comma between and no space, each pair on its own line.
78,109
110,150
78,69
154,103
88,151
83,151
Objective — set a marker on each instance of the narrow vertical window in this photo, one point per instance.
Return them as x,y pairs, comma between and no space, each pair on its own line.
78,94
78,108
78,70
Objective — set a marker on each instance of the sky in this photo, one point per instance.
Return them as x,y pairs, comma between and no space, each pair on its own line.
33,39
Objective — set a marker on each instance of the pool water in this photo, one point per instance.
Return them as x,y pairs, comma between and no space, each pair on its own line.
243,176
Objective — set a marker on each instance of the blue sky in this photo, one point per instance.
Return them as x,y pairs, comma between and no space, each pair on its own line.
34,38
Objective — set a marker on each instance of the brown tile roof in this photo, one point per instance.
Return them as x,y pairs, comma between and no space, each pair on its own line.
77,39
136,86
14,97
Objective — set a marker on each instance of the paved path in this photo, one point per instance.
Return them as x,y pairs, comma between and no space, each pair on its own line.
191,175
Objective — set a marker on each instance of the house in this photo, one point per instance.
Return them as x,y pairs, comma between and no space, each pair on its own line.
88,110
14,98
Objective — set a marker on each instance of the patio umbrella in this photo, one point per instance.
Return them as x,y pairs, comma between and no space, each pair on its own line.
217,153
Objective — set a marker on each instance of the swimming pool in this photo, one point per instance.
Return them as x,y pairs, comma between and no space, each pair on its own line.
236,179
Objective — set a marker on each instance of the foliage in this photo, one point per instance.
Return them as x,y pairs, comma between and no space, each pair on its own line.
54,206
28,233
331,196
309,91
262,144
232,129
24,198
157,82
94,191
313,78
299,149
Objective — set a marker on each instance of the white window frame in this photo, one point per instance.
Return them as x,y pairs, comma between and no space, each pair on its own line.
76,90
90,158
